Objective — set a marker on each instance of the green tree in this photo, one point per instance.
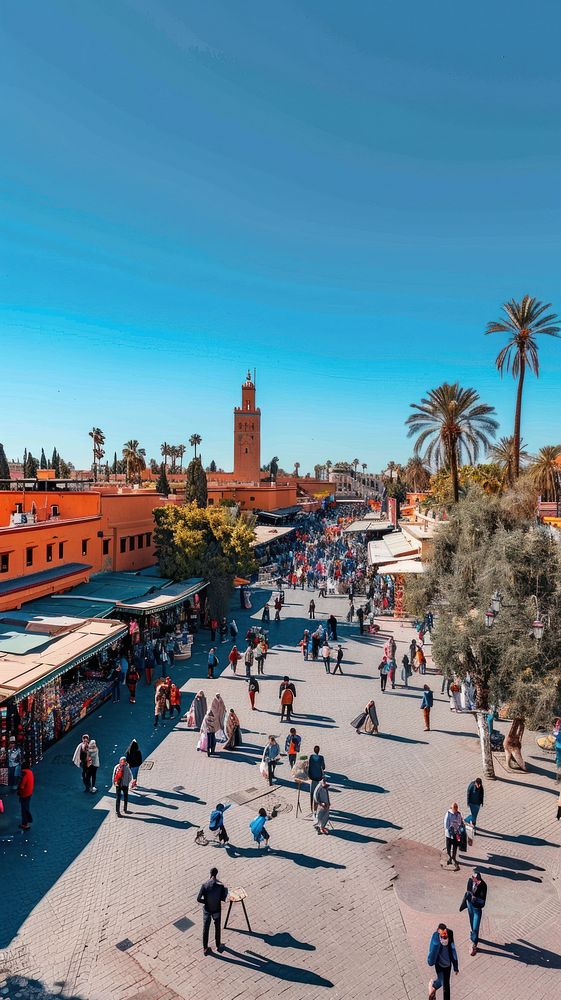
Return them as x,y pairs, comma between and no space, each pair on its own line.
212,466
212,543
502,454
195,440
449,422
135,459
482,548
196,490
115,464
417,476
544,472
32,467
273,467
523,322
162,484
24,463
98,440
4,467
43,460
65,469
55,463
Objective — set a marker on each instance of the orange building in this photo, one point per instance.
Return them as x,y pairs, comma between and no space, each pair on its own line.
52,539
247,436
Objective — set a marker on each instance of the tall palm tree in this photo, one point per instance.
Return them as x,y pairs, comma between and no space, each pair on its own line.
355,463
502,454
181,449
450,422
173,455
98,440
165,451
364,466
194,440
545,470
524,321
417,475
328,466
296,468
134,457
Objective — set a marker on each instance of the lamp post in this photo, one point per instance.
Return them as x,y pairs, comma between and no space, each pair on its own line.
490,615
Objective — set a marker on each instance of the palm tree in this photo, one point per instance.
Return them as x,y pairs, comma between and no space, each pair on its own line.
173,455
194,440
328,466
181,449
98,440
134,457
417,475
524,321
364,466
545,470
355,463
502,454
451,421
165,451
296,468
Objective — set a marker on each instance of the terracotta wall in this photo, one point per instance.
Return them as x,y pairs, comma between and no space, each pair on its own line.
254,497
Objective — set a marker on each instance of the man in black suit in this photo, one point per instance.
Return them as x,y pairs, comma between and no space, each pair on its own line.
212,894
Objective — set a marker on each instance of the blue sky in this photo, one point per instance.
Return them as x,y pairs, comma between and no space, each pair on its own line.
341,195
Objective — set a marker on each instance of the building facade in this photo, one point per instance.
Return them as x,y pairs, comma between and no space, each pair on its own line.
247,436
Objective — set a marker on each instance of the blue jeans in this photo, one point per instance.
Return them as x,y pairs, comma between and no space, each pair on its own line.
473,813
443,973
475,914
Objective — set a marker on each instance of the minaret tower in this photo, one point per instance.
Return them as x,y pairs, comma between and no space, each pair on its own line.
247,436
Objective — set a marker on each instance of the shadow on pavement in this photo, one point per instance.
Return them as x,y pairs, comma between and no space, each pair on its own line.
400,739
506,867
303,860
283,939
258,963
354,837
32,989
340,816
525,952
355,786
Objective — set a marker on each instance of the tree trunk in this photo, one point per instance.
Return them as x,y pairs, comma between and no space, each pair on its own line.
517,418
454,471
485,743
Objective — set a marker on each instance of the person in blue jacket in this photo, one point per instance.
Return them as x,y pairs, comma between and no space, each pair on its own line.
257,827
216,822
426,705
443,956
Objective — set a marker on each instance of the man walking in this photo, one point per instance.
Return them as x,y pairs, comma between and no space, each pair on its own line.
253,690
316,770
326,656
453,823
426,705
475,899
321,807
212,894
312,609
412,651
332,622
339,660
360,616
475,796
287,694
292,746
122,777
80,759
443,956
116,677
25,791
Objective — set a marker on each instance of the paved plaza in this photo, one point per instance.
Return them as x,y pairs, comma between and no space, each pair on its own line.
95,907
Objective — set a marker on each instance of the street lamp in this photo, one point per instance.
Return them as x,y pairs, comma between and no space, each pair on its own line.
489,618
537,628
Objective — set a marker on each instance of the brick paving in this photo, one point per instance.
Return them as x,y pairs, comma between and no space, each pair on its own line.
347,915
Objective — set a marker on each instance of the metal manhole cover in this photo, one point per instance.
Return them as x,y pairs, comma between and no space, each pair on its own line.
147,765
183,924
125,944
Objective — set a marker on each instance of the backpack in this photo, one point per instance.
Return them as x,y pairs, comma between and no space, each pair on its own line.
119,774
215,819
287,697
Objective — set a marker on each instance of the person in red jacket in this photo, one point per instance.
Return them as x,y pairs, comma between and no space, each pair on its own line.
25,791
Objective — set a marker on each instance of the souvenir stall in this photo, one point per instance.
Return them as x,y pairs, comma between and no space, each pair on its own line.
44,701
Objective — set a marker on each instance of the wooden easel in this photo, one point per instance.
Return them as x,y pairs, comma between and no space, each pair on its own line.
237,896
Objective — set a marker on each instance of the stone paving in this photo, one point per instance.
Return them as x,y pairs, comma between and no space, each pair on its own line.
347,915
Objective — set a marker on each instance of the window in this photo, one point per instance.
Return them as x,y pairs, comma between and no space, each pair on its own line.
106,543
4,562
132,541
140,541
29,557
148,539
123,545
252,498
84,546
49,553
61,550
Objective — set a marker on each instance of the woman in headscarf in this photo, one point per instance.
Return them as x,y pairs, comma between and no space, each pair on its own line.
160,699
367,721
197,711
134,760
233,731
218,709
92,762
207,740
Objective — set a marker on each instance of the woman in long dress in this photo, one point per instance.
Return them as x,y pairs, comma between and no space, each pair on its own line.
233,731
367,721
197,711
218,709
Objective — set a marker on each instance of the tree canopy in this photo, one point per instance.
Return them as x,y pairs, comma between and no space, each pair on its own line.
212,543
195,483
